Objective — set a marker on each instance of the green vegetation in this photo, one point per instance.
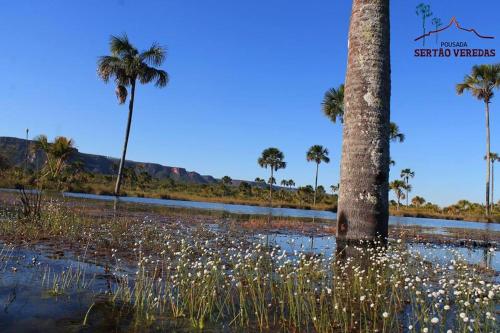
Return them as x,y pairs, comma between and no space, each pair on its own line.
126,65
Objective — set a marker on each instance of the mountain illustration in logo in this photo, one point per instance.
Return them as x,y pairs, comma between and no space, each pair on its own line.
454,22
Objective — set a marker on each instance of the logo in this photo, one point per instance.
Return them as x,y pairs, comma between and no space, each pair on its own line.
463,47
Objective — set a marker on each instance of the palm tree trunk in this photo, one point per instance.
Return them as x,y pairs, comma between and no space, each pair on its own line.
271,188
364,176
407,191
487,158
127,132
492,186
315,185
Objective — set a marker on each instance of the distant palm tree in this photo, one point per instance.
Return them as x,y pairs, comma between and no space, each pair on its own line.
274,159
291,183
259,180
284,183
494,157
363,209
333,104
334,188
126,65
406,174
481,83
317,154
226,180
398,186
417,201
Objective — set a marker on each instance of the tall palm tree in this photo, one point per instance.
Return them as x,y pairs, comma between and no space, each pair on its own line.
481,83
274,159
399,186
333,104
126,65
494,157
364,177
406,174
317,154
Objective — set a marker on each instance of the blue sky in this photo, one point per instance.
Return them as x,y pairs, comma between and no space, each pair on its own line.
245,75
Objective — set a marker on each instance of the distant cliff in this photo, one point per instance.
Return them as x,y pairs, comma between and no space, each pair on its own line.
14,149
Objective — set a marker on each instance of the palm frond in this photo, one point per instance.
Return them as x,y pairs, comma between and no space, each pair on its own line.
120,46
333,104
109,67
148,74
154,56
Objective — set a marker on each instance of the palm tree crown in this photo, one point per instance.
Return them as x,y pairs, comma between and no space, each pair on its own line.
333,104
317,154
273,158
406,174
481,82
394,133
126,65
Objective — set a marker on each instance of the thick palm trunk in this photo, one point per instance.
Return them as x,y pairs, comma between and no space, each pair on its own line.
127,132
364,176
488,158
316,185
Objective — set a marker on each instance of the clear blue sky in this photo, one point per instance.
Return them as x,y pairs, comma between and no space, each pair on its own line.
245,75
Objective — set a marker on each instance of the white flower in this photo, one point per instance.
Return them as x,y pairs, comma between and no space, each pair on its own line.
434,320
385,315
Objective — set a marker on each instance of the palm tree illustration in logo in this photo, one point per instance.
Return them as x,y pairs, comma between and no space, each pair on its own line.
436,22
424,11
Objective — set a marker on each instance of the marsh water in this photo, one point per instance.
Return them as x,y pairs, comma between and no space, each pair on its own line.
26,304
288,212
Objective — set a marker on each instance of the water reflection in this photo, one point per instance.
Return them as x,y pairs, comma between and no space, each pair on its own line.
326,245
288,212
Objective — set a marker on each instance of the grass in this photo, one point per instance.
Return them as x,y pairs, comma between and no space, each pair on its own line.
180,270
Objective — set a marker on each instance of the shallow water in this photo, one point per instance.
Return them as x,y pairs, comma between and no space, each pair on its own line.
435,253
289,212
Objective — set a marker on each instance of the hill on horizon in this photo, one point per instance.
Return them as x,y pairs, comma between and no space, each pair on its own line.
14,149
